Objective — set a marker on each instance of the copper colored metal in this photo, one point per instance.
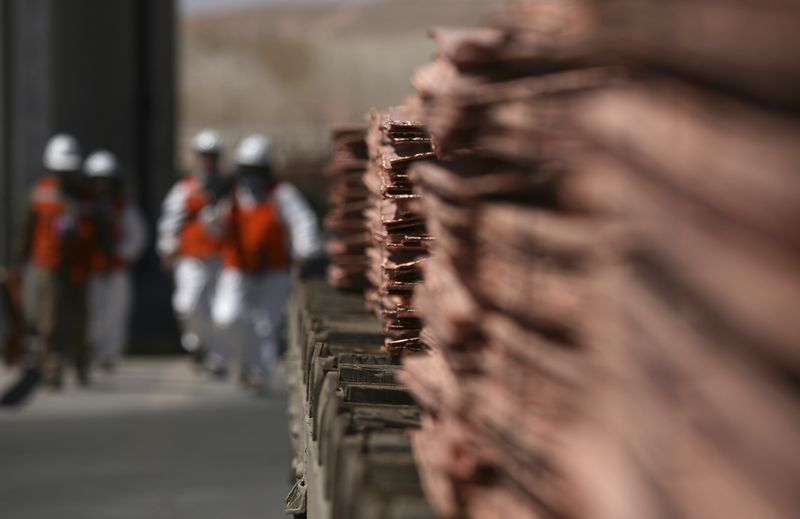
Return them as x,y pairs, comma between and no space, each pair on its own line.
347,197
610,300
400,238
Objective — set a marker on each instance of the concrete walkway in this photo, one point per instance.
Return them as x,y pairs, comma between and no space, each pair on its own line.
155,440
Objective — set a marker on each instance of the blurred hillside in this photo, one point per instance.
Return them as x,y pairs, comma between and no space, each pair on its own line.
292,70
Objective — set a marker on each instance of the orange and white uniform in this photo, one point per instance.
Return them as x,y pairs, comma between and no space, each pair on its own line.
183,231
58,242
110,286
265,230
62,232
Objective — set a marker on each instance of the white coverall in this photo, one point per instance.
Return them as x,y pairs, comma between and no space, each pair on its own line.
111,294
249,308
194,277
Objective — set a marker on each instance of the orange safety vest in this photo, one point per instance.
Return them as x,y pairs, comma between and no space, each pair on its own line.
100,258
195,240
52,222
256,240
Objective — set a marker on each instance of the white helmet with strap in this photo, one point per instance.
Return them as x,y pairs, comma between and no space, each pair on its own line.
207,141
101,164
62,153
254,151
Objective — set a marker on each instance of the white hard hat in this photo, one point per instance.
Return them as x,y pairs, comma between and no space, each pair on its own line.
207,141
62,153
101,164
255,150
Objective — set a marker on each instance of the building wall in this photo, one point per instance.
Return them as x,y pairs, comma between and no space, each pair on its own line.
4,169
27,75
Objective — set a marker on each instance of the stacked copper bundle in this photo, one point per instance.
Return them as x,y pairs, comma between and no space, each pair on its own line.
399,236
348,201
507,282
611,299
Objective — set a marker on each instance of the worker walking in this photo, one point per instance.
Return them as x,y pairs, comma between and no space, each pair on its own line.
267,226
188,249
58,239
110,285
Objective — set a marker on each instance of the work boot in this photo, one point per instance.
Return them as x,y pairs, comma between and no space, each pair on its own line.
258,387
84,377
53,371
83,370
19,392
108,366
54,383
219,372
199,358
256,382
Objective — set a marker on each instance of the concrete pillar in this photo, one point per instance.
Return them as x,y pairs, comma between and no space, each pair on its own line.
153,323
157,68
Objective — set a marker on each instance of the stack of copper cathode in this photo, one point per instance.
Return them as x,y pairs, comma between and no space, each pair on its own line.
399,236
347,248
611,299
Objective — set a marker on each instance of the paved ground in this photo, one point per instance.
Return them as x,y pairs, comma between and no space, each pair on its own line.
155,440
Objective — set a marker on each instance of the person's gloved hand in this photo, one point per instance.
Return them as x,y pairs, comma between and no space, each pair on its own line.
312,267
168,262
